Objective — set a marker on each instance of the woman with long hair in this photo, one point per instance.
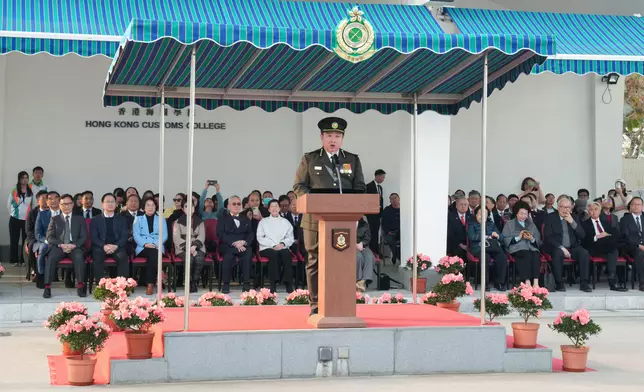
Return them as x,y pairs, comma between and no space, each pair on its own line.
146,236
19,205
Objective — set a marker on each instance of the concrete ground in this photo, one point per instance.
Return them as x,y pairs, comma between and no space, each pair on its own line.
617,355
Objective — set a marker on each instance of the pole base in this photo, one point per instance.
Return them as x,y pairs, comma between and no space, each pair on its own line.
321,322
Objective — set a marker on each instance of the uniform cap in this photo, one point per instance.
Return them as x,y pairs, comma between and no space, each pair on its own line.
332,124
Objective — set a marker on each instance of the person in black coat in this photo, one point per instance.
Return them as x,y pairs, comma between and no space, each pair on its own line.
603,240
631,228
109,234
375,188
562,234
30,228
130,212
87,209
235,233
457,229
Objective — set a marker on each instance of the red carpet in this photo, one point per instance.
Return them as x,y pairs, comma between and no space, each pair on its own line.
264,318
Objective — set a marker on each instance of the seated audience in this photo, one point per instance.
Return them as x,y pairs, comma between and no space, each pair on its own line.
130,212
583,194
87,209
530,185
562,234
549,207
502,206
197,245
147,195
457,195
208,208
536,215
364,256
608,206
30,229
146,236
603,240
109,233
235,233
457,229
512,199
175,206
285,208
391,226
522,239
298,235
119,194
78,202
41,246
291,196
131,191
493,248
66,236
275,237
580,210
474,199
493,215
631,228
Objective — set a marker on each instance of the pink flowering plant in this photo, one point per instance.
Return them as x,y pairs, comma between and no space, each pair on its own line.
423,263
578,326
114,291
65,312
529,301
298,297
261,297
387,298
450,287
171,300
362,298
430,298
450,265
138,314
1,270
83,333
214,299
496,305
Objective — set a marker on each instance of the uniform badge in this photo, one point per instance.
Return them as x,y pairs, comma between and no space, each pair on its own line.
346,168
355,38
340,239
317,168
334,125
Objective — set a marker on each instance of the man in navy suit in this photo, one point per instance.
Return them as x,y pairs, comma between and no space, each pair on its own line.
235,233
41,246
457,229
109,233
631,228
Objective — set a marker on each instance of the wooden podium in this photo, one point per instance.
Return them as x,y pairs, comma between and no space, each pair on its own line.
338,216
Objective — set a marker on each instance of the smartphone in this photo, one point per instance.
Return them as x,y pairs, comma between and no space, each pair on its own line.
212,182
255,210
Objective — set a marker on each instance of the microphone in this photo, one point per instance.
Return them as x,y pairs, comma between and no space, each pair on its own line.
336,163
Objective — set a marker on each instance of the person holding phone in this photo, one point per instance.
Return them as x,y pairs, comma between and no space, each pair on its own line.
530,185
207,205
622,198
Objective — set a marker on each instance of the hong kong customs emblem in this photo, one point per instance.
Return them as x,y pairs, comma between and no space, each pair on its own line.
355,38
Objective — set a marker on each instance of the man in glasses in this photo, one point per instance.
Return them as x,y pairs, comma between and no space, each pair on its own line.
235,233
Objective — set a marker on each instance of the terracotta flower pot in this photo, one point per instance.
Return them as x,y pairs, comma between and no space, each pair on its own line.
139,344
574,359
80,372
421,285
67,350
525,335
453,306
109,322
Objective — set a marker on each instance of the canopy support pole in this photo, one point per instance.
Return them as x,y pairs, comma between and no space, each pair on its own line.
161,172
483,190
414,180
191,140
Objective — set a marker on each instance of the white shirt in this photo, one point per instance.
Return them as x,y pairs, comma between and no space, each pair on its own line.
330,155
274,230
85,210
595,223
108,216
236,220
55,213
462,217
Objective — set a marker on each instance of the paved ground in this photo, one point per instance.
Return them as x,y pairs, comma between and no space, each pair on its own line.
617,354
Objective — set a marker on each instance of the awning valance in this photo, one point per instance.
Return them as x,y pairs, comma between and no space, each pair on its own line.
274,67
585,43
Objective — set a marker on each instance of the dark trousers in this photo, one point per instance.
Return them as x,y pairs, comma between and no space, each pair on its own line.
639,265
31,257
499,268
280,265
230,254
374,226
120,257
577,253
151,256
528,264
311,245
393,241
55,255
16,231
197,263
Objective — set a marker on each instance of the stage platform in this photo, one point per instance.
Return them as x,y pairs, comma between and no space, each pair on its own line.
271,342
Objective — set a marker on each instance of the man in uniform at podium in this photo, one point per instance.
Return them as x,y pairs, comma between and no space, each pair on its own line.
319,170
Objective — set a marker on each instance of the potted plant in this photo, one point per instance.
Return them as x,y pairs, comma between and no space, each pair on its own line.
423,263
298,297
362,298
445,292
579,327
214,299
172,301
136,317
450,265
65,312
82,334
1,271
496,305
111,292
387,298
529,302
261,297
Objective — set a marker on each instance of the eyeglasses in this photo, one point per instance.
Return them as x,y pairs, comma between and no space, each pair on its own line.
235,204
177,200
67,204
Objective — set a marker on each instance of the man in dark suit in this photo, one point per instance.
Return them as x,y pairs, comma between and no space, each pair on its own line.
109,235
562,234
317,170
30,228
298,234
457,229
130,212
235,233
41,246
87,209
391,226
603,240
285,208
375,187
66,236
631,228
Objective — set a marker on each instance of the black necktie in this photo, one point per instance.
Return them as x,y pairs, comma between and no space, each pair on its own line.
295,219
68,230
87,214
639,225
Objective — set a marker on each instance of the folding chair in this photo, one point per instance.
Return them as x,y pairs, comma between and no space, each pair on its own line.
600,260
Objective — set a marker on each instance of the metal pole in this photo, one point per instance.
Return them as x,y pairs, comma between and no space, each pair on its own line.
191,140
161,225
414,181
483,191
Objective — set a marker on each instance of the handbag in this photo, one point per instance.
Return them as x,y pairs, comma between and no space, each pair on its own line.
548,277
492,245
